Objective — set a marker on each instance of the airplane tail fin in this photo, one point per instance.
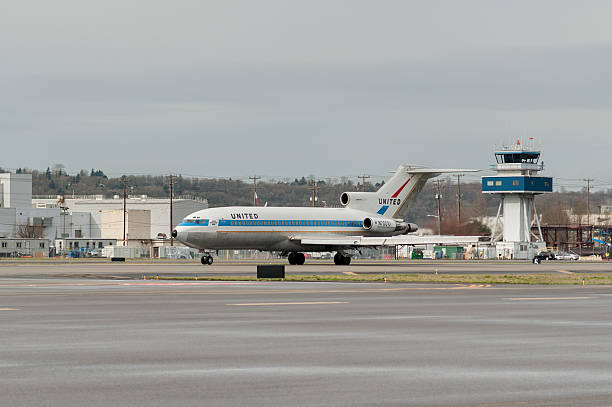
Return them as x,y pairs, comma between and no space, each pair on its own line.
393,199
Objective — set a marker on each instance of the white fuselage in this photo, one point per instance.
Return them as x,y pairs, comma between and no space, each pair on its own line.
276,228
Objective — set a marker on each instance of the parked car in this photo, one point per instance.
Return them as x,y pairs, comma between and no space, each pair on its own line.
95,253
566,256
543,256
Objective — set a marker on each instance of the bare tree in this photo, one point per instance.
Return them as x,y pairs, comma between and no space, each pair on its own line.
555,212
30,231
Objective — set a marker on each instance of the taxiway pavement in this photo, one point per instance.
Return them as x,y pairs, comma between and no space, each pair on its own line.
189,269
86,342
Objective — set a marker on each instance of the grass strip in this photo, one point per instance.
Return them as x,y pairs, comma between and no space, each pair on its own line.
530,279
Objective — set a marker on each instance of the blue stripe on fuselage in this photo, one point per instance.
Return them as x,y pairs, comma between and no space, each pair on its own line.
281,223
293,222
198,222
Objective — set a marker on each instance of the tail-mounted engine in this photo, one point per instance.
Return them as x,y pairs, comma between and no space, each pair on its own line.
385,225
405,227
380,225
354,199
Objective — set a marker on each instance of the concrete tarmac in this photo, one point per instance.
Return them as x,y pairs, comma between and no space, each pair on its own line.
86,342
189,269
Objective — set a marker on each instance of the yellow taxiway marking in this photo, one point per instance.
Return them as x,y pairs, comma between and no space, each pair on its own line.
349,273
9,309
254,304
564,272
545,298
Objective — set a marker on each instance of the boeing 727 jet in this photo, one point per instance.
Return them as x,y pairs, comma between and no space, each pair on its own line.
363,219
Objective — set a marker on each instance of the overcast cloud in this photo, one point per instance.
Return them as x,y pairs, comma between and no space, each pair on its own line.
286,88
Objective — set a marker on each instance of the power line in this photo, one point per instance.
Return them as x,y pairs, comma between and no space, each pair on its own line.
254,178
437,182
171,221
124,179
588,191
459,198
314,193
363,178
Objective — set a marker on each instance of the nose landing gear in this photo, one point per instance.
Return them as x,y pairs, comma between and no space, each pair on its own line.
296,258
206,259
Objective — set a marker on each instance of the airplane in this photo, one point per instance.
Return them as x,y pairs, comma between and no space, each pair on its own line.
362,220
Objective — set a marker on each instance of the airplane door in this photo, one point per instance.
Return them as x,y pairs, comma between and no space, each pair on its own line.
214,225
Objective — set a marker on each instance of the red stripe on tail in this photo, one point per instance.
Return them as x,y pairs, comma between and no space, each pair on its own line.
400,190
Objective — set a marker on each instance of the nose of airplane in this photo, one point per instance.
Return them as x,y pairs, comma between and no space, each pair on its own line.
179,234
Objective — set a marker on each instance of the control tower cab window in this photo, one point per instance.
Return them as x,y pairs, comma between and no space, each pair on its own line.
517,158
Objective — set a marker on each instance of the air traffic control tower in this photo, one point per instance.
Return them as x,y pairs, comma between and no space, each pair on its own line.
517,183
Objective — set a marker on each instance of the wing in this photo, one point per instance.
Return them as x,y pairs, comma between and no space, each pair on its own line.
363,241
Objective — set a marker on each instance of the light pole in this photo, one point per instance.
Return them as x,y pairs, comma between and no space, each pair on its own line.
171,204
314,197
125,186
438,199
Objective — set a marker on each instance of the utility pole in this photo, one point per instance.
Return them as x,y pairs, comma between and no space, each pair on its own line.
438,198
459,198
124,180
588,191
171,195
363,178
314,193
254,178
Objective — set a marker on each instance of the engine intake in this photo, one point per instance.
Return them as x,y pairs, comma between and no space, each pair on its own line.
345,199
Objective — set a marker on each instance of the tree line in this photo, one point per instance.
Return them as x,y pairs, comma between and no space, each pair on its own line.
227,192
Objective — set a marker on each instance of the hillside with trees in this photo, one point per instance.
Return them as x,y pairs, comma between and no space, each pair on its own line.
56,180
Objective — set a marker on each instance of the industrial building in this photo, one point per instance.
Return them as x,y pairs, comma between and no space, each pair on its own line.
18,218
83,221
86,246
95,205
24,247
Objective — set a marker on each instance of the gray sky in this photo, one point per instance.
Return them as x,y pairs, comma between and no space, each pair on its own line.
285,88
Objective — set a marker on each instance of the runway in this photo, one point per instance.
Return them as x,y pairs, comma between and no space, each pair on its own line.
189,269
76,342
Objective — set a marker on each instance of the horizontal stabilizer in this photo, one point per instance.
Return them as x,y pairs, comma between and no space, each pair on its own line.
437,170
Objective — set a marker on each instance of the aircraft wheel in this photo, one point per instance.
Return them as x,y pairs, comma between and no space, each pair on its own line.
291,258
204,260
341,260
338,259
210,260
300,259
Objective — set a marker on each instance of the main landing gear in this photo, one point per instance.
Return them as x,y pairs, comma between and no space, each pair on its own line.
206,259
341,259
296,258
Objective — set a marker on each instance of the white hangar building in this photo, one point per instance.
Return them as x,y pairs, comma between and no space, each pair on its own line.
97,205
82,216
